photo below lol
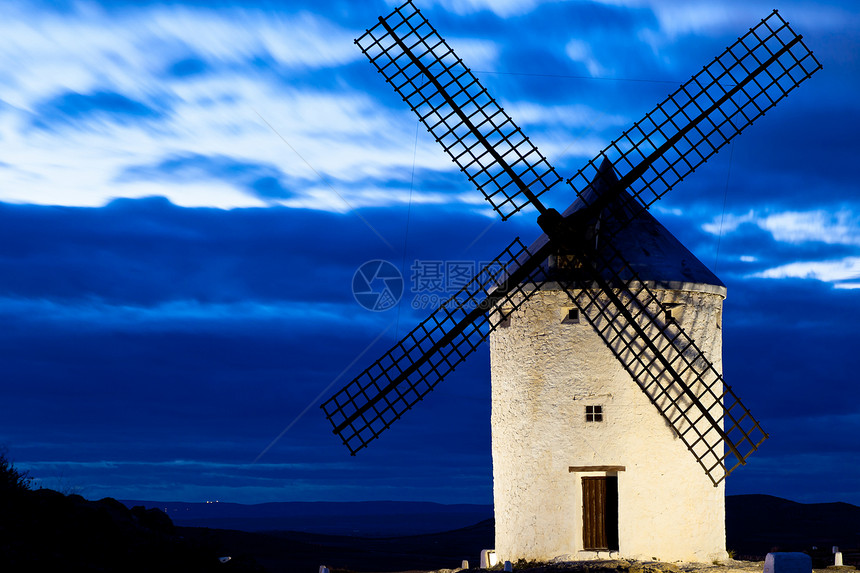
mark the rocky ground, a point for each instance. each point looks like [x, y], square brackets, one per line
[628, 566]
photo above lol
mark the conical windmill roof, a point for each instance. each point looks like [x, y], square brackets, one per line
[653, 252]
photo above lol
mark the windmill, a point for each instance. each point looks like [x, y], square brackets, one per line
[582, 266]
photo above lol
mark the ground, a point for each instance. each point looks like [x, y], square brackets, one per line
[628, 566]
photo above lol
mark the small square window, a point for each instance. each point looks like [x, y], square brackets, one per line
[505, 322]
[594, 413]
[572, 316]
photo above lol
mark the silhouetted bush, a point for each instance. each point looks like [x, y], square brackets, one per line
[11, 479]
[45, 530]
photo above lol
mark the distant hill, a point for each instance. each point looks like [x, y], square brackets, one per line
[360, 519]
[44, 530]
[291, 552]
[56, 531]
[755, 523]
[758, 524]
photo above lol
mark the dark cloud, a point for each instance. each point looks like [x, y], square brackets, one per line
[145, 321]
[71, 107]
[188, 67]
[163, 333]
[791, 340]
[258, 179]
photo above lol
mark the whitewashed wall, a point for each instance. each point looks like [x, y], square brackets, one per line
[544, 373]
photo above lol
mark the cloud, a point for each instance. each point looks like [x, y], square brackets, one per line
[162, 385]
[842, 272]
[830, 235]
[102, 105]
[198, 465]
[182, 315]
[840, 227]
[202, 95]
[677, 17]
[262, 180]
[86, 47]
[136, 86]
[479, 54]
[728, 223]
[187, 67]
[301, 40]
[580, 52]
[150, 265]
[831, 228]
[502, 8]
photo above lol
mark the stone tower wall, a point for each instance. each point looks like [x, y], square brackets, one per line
[544, 373]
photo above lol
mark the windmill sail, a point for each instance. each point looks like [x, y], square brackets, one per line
[450, 101]
[697, 120]
[681, 382]
[705, 113]
[668, 366]
[360, 411]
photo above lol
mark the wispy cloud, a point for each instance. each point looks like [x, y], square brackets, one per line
[844, 273]
[832, 228]
[569, 116]
[103, 89]
[264, 181]
[59, 465]
[503, 8]
[181, 315]
[841, 227]
[833, 235]
[580, 52]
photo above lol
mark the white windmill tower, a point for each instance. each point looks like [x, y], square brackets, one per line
[583, 463]
[611, 421]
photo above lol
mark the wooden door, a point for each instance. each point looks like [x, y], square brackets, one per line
[600, 512]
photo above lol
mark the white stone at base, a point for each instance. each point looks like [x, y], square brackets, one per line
[787, 563]
[488, 558]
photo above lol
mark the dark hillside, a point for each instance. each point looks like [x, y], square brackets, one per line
[44, 530]
[290, 551]
[758, 524]
[358, 519]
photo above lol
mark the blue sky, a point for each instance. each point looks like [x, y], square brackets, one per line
[187, 189]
